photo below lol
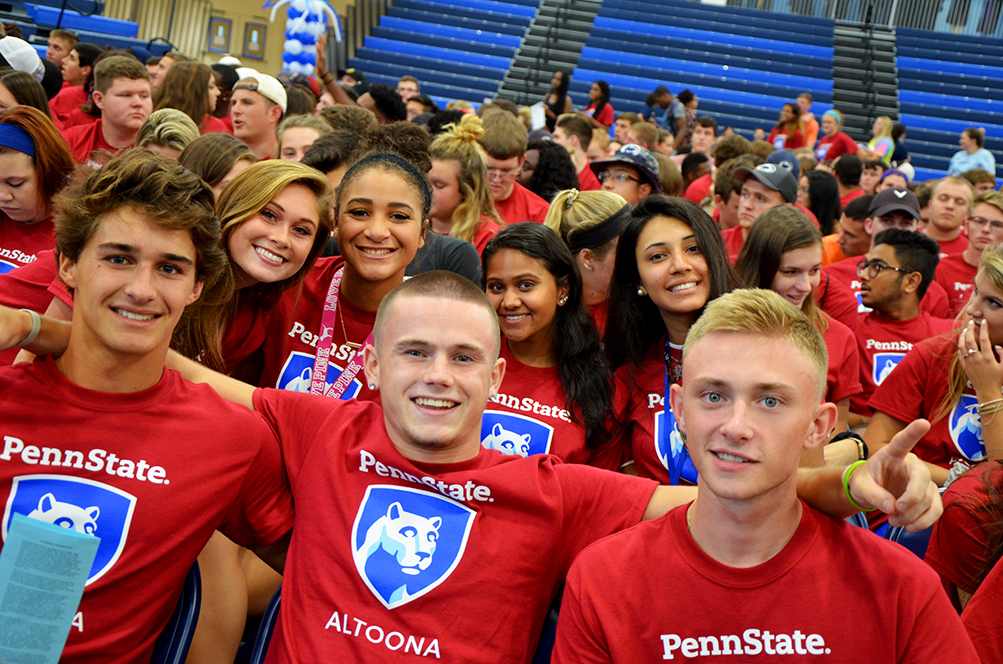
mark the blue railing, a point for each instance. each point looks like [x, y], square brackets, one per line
[960, 17]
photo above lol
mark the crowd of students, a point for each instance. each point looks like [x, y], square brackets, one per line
[507, 325]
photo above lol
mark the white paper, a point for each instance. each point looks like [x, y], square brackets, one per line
[43, 570]
[539, 116]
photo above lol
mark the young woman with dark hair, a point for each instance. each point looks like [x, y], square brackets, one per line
[819, 192]
[551, 348]
[20, 89]
[599, 111]
[670, 262]
[784, 253]
[547, 169]
[557, 101]
[190, 87]
[788, 133]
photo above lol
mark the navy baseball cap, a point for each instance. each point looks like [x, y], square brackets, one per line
[785, 159]
[638, 157]
[894, 200]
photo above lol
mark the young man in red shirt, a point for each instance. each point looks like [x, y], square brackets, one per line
[76, 66]
[950, 203]
[505, 142]
[139, 245]
[744, 551]
[574, 132]
[122, 92]
[984, 226]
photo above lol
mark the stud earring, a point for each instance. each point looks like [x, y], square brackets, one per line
[642, 291]
[372, 386]
[562, 301]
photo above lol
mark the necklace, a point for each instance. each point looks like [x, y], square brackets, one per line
[689, 517]
[352, 345]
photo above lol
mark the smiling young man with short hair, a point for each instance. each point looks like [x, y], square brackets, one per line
[747, 549]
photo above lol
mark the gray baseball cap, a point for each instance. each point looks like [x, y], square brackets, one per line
[894, 200]
[772, 176]
[638, 157]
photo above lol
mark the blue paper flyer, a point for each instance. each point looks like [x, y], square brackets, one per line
[43, 570]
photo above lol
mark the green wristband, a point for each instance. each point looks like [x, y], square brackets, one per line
[846, 486]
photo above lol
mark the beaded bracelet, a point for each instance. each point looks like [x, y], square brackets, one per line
[846, 486]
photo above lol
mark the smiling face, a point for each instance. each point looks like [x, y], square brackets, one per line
[746, 416]
[673, 269]
[525, 295]
[20, 196]
[296, 141]
[986, 303]
[787, 113]
[379, 226]
[829, 125]
[274, 243]
[126, 104]
[799, 273]
[446, 194]
[436, 365]
[131, 283]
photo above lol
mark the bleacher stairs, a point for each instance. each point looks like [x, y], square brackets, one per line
[554, 41]
[864, 75]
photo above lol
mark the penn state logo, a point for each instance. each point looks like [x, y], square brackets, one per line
[513, 434]
[884, 363]
[860, 303]
[966, 428]
[677, 452]
[298, 370]
[6, 266]
[406, 541]
[78, 504]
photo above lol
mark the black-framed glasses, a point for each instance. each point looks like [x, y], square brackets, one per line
[873, 268]
[619, 177]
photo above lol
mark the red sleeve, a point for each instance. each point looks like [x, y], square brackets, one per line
[606, 115]
[901, 393]
[983, 620]
[580, 637]
[844, 363]
[935, 301]
[849, 145]
[773, 134]
[835, 299]
[296, 419]
[487, 230]
[958, 541]
[61, 291]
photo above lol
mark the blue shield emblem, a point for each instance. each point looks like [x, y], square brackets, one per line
[966, 428]
[883, 365]
[295, 375]
[407, 541]
[677, 452]
[860, 303]
[6, 266]
[513, 434]
[78, 504]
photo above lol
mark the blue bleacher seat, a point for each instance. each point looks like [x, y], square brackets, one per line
[963, 69]
[429, 38]
[436, 53]
[457, 20]
[449, 32]
[266, 628]
[500, 8]
[429, 65]
[173, 643]
[73, 21]
[475, 86]
[82, 6]
[468, 11]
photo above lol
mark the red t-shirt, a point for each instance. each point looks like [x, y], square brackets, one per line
[883, 342]
[486, 230]
[600, 313]
[529, 416]
[953, 247]
[83, 140]
[783, 141]
[76, 117]
[652, 594]
[21, 243]
[916, 388]
[27, 288]
[587, 180]
[68, 99]
[843, 376]
[934, 301]
[293, 330]
[522, 205]
[243, 332]
[958, 543]
[605, 115]
[733, 242]
[808, 213]
[831, 147]
[849, 196]
[957, 277]
[116, 465]
[699, 189]
[492, 538]
[649, 418]
[982, 618]
[837, 300]
[215, 126]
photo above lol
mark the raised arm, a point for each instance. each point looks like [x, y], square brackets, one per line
[985, 372]
[331, 85]
[230, 389]
[16, 324]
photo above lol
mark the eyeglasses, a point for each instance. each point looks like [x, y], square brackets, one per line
[874, 267]
[804, 190]
[503, 173]
[619, 177]
[982, 221]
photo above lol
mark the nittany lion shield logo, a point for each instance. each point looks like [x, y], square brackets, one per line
[513, 434]
[407, 541]
[298, 370]
[966, 428]
[677, 452]
[860, 303]
[883, 365]
[86, 506]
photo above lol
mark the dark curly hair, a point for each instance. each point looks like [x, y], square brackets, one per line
[554, 172]
[388, 102]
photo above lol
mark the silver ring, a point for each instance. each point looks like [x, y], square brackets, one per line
[972, 351]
